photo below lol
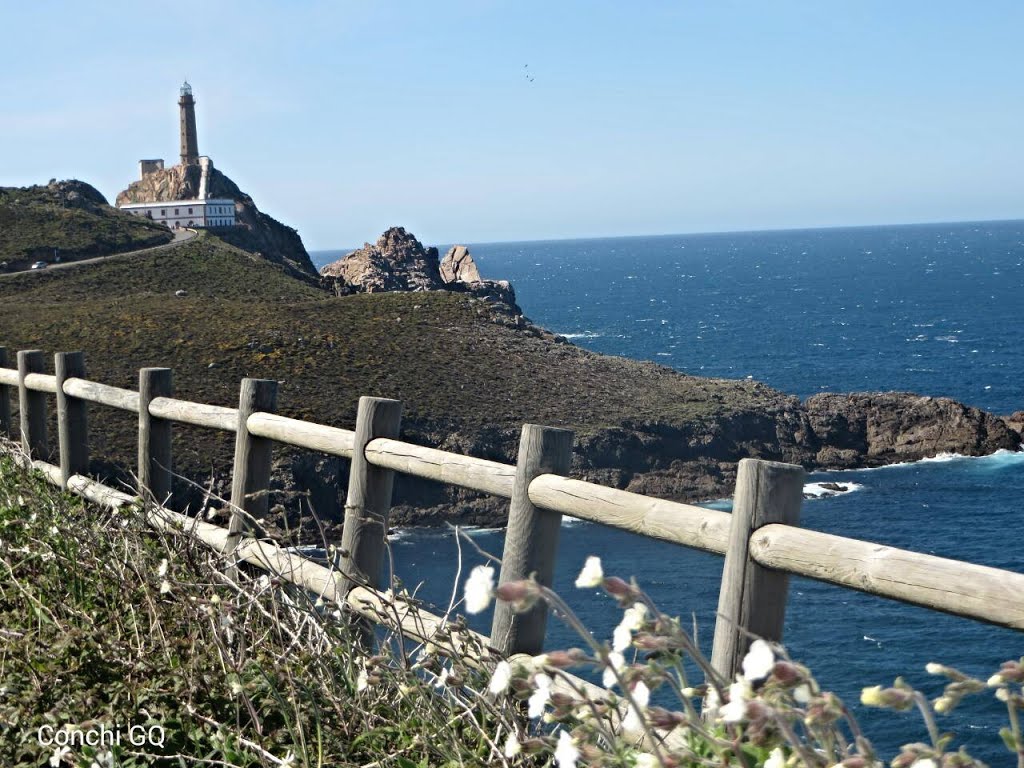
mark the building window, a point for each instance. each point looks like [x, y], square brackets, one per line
[163, 211]
[176, 211]
[190, 210]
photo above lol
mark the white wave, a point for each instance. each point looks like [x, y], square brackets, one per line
[568, 521]
[825, 489]
[1002, 457]
[582, 335]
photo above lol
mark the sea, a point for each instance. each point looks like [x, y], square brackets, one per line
[932, 309]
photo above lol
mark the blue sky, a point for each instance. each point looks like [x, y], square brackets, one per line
[344, 118]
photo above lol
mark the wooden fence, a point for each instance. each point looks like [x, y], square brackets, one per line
[761, 540]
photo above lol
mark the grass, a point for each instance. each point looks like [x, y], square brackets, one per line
[105, 623]
[34, 221]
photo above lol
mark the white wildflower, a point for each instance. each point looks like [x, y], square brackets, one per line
[802, 693]
[633, 721]
[165, 587]
[501, 678]
[236, 688]
[566, 753]
[479, 588]
[1003, 694]
[758, 662]
[512, 746]
[362, 681]
[58, 756]
[162, 570]
[442, 679]
[645, 760]
[934, 669]
[924, 762]
[736, 709]
[712, 701]
[995, 681]
[632, 620]
[616, 661]
[54, 531]
[540, 697]
[104, 759]
[776, 759]
[591, 575]
[289, 760]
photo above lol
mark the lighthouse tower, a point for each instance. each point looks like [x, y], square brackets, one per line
[189, 144]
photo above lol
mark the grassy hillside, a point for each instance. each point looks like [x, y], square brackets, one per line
[467, 382]
[73, 218]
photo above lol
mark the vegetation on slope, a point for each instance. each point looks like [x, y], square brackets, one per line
[440, 353]
[69, 217]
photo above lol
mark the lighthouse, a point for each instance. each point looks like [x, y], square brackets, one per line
[189, 143]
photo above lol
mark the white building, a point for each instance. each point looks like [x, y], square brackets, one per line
[178, 214]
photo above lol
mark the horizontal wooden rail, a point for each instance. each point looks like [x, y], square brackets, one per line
[302, 434]
[951, 586]
[685, 524]
[9, 376]
[197, 414]
[433, 464]
[41, 382]
[94, 392]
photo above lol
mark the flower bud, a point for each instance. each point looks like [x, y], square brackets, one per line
[785, 672]
[856, 761]
[616, 587]
[522, 594]
[648, 642]
[943, 704]
[660, 717]
[562, 659]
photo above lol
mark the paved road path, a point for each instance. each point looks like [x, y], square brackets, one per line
[180, 236]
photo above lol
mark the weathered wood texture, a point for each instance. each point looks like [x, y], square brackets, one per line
[6, 427]
[465, 471]
[250, 479]
[41, 382]
[8, 376]
[369, 494]
[72, 424]
[531, 540]
[690, 526]
[752, 600]
[952, 586]
[302, 434]
[197, 414]
[32, 406]
[94, 392]
[155, 461]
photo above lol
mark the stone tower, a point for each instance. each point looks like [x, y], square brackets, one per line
[189, 143]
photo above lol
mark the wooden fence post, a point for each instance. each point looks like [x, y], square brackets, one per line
[369, 495]
[32, 405]
[531, 540]
[6, 429]
[250, 480]
[752, 600]
[72, 425]
[154, 436]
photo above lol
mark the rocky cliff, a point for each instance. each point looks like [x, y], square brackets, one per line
[256, 231]
[400, 262]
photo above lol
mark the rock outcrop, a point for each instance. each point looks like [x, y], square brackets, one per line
[876, 428]
[400, 262]
[458, 266]
[396, 262]
[256, 231]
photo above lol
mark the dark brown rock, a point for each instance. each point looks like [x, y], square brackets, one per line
[875, 428]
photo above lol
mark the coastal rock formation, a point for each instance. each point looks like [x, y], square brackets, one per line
[256, 231]
[876, 428]
[397, 262]
[458, 266]
[400, 262]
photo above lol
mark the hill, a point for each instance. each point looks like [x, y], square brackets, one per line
[71, 218]
[468, 381]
